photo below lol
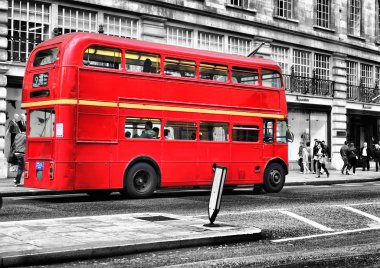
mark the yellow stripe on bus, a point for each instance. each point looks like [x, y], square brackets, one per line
[151, 107]
[49, 102]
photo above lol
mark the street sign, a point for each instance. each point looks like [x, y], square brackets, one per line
[216, 192]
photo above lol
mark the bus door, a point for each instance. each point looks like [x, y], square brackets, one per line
[268, 139]
[246, 154]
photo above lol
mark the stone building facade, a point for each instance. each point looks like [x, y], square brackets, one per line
[328, 50]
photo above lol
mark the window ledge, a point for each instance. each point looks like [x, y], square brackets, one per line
[316, 27]
[356, 37]
[285, 19]
[252, 11]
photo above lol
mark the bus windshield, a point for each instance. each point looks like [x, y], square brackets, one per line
[45, 57]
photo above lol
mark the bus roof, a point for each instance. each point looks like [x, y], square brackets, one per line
[87, 39]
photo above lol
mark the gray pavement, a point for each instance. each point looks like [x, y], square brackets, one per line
[53, 240]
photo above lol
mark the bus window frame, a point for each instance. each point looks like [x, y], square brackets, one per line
[99, 68]
[124, 50]
[46, 66]
[195, 78]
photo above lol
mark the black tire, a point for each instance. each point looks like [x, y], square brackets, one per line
[98, 194]
[274, 178]
[141, 181]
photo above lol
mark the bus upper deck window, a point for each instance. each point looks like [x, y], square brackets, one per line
[102, 57]
[178, 67]
[45, 57]
[212, 71]
[142, 62]
[245, 76]
[271, 78]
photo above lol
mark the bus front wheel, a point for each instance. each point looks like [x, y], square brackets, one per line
[274, 178]
[141, 180]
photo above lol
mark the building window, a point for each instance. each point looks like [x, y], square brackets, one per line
[210, 41]
[366, 75]
[239, 3]
[281, 56]
[323, 13]
[28, 26]
[377, 77]
[378, 19]
[322, 66]
[121, 26]
[239, 46]
[354, 21]
[179, 36]
[284, 8]
[76, 20]
[301, 63]
[352, 73]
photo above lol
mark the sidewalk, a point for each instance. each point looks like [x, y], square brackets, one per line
[64, 239]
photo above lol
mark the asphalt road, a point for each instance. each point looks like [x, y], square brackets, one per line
[325, 226]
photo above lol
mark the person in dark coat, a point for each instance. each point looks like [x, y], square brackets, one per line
[19, 149]
[343, 154]
[376, 156]
[365, 153]
[22, 123]
[353, 156]
[315, 157]
[13, 128]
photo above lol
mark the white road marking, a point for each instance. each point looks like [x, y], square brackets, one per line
[312, 223]
[350, 185]
[372, 217]
[325, 234]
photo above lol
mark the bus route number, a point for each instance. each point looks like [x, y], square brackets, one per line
[40, 80]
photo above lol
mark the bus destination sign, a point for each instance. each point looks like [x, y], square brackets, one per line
[40, 80]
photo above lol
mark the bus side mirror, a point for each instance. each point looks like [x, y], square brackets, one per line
[289, 136]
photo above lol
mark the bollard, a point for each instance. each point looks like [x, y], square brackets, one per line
[216, 193]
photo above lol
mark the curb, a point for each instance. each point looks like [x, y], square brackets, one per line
[249, 234]
[330, 182]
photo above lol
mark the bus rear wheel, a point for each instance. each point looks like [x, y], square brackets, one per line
[274, 178]
[141, 181]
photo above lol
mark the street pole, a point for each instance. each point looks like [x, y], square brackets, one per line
[216, 193]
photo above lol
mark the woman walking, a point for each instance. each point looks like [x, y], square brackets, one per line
[322, 158]
[353, 156]
[305, 160]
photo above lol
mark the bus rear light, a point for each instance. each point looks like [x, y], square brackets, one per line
[51, 171]
[26, 170]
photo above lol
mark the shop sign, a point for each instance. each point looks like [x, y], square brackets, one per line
[367, 107]
[299, 98]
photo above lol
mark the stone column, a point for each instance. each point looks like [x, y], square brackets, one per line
[339, 110]
[265, 51]
[153, 29]
[3, 83]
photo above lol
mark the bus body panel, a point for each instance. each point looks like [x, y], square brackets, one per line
[92, 105]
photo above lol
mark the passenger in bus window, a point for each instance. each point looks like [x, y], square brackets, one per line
[127, 134]
[157, 130]
[167, 134]
[149, 132]
[147, 66]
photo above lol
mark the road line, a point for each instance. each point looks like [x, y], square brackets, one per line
[325, 234]
[372, 217]
[312, 223]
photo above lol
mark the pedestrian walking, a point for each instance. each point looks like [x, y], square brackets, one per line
[365, 153]
[376, 156]
[315, 157]
[309, 154]
[305, 160]
[343, 154]
[19, 150]
[322, 159]
[300, 160]
[353, 156]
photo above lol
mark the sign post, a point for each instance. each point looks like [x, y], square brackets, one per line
[216, 192]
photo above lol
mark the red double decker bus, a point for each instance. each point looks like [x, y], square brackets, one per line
[107, 113]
